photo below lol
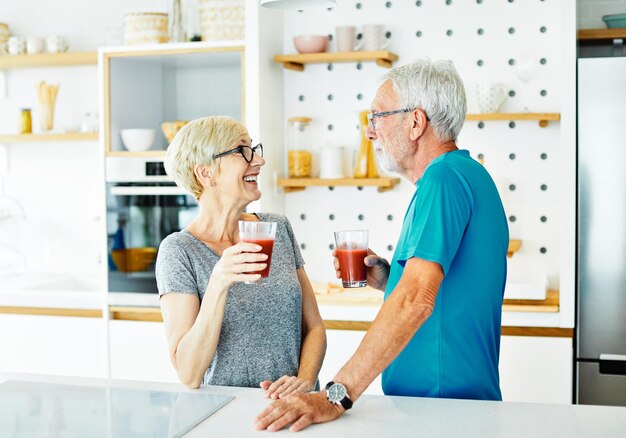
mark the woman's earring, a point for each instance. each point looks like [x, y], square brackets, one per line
[212, 182]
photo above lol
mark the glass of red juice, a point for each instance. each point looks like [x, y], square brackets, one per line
[351, 251]
[262, 234]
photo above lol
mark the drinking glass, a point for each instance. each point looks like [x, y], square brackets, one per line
[351, 251]
[262, 234]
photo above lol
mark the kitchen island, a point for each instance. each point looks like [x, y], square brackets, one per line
[372, 416]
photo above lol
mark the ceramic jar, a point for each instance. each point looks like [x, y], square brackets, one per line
[332, 162]
[56, 44]
[34, 45]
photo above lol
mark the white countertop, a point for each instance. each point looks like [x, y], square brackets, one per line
[376, 416]
[50, 290]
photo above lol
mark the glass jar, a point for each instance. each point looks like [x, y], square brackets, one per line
[26, 121]
[298, 157]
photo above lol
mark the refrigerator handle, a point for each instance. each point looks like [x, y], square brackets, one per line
[613, 364]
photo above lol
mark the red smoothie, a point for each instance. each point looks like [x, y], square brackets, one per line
[352, 265]
[268, 247]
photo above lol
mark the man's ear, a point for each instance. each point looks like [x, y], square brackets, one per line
[418, 124]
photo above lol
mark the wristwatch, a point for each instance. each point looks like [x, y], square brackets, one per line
[338, 394]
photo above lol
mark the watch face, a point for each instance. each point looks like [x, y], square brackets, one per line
[336, 393]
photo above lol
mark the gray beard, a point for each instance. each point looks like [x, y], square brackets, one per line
[384, 161]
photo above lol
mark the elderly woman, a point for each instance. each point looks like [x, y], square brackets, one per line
[220, 329]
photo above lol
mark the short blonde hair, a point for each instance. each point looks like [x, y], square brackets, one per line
[196, 143]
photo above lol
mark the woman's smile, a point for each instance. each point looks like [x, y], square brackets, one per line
[251, 178]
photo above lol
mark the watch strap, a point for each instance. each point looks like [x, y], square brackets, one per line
[346, 402]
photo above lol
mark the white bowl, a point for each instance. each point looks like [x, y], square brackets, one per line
[137, 140]
[70, 127]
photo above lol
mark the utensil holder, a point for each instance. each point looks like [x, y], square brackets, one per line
[46, 116]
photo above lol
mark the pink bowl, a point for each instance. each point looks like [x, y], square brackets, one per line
[311, 43]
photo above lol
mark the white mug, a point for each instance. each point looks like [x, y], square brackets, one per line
[345, 36]
[56, 44]
[490, 96]
[332, 162]
[374, 37]
[17, 45]
[34, 44]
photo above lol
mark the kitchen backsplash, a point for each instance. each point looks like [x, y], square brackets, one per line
[516, 43]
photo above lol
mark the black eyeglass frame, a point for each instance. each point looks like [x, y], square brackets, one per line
[239, 149]
[372, 116]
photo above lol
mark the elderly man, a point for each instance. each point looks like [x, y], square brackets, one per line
[438, 331]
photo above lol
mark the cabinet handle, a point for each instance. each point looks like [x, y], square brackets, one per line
[613, 364]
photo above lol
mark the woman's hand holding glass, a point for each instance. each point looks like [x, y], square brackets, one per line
[286, 385]
[237, 263]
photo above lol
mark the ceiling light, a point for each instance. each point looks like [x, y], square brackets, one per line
[298, 4]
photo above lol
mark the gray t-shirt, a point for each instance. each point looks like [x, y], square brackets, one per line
[261, 331]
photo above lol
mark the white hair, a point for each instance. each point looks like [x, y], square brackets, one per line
[435, 87]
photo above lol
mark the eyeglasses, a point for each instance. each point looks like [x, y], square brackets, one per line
[371, 118]
[246, 152]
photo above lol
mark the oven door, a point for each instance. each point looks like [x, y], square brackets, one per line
[139, 217]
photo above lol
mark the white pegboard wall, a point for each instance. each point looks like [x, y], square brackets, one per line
[487, 40]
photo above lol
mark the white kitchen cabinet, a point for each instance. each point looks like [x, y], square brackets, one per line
[183, 81]
[532, 369]
[536, 369]
[138, 351]
[61, 345]
[341, 346]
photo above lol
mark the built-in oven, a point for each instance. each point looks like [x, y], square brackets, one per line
[143, 206]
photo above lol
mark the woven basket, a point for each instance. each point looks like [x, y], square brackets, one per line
[145, 28]
[222, 20]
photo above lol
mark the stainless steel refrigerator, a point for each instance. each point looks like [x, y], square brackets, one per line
[601, 303]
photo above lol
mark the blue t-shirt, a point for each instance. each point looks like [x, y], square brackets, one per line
[455, 219]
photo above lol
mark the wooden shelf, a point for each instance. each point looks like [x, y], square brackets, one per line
[601, 34]
[297, 184]
[552, 332]
[367, 297]
[296, 62]
[48, 60]
[136, 154]
[514, 246]
[31, 138]
[51, 311]
[127, 313]
[549, 305]
[542, 118]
